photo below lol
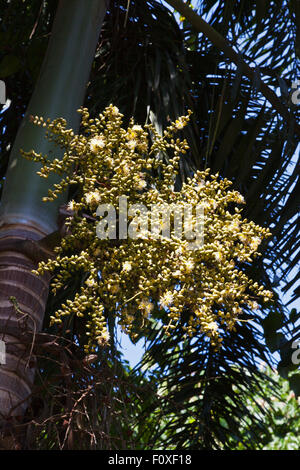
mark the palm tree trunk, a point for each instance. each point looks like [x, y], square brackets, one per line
[22, 303]
[24, 218]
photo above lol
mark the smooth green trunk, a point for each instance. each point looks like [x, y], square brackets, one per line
[59, 92]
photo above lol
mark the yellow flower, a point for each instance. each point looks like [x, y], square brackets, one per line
[254, 305]
[70, 205]
[180, 251]
[114, 110]
[90, 282]
[240, 199]
[127, 266]
[97, 143]
[132, 143]
[255, 242]
[92, 197]
[104, 338]
[244, 239]
[141, 184]
[179, 124]
[134, 132]
[200, 185]
[234, 226]
[212, 326]
[177, 273]
[137, 128]
[189, 265]
[166, 299]
[218, 256]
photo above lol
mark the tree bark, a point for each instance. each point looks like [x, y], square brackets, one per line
[23, 297]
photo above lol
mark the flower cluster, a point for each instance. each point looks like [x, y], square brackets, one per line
[151, 274]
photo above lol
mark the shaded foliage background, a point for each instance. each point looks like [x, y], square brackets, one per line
[154, 67]
[282, 416]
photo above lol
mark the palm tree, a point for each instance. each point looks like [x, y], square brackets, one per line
[25, 219]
